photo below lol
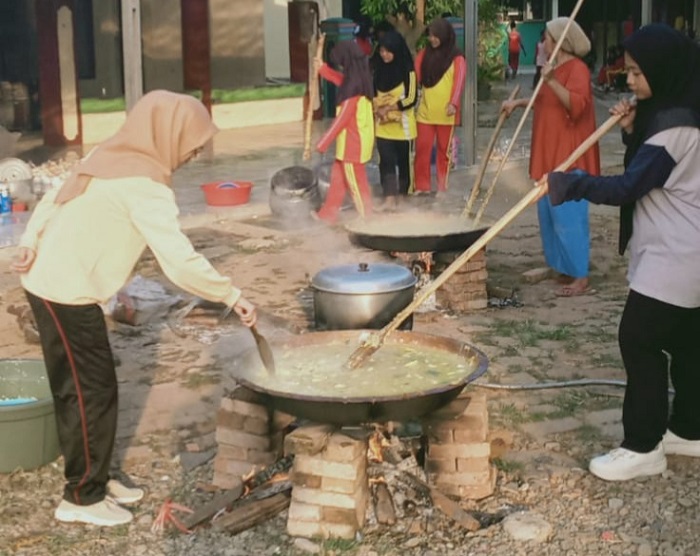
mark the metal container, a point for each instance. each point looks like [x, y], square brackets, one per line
[333, 409]
[362, 296]
[294, 193]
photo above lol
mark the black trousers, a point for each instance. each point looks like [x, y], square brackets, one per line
[651, 333]
[83, 382]
[392, 155]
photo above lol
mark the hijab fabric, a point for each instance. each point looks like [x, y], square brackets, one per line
[436, 61]
[670, 62]
[159, 135]
[389, 76]
[576, 42]
[357, 79]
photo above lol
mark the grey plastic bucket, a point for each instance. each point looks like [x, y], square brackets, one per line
[28, 437]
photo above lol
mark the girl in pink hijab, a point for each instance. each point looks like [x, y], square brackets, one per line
[79, 248]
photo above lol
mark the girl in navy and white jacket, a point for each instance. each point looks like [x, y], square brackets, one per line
[659, 195]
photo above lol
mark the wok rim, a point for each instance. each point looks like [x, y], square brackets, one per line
[480, 370]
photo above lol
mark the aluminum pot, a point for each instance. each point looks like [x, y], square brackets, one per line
[294, 193]
[362, 296]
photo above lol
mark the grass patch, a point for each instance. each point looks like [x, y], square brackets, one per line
[507, 466]
[219, 96]
[588, 433]
[339, 545]
[529, 333]
[511, 415]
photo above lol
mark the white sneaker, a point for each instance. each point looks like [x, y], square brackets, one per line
[106, 513]
[622, 464]
[123, 494]
[675, 445]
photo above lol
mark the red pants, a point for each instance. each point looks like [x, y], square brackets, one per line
[347, 176]
[424, 146]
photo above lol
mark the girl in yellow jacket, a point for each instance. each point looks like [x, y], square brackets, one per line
[441, 70]
[396, 92]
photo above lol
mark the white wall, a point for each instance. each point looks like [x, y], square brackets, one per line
[276, 39]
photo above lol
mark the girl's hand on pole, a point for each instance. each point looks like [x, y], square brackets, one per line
[246, 311]
[627, 110]
[508, 106]
[543, 185]
[23, 261]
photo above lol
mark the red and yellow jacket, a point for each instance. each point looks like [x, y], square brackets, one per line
[432, 108]
[353, 127]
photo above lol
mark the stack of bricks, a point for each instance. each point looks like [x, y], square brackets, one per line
[465, 290]
[457, 461]
[330, 487]
[243, 430]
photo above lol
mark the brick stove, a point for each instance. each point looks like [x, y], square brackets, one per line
[465, 290]
[330, 481]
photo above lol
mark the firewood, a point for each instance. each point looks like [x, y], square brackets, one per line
[308, 440]
[252, 513]
[219, 502]
[448, 507]
[383, 504]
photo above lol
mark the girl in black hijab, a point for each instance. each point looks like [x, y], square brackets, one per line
[660, 323]
[352, 130]
[395, 83]
[441, 70]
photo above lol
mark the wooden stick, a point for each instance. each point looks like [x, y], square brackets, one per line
[313, 95]
[375, 341]
[487, 155]
[252, 513]
[521, 123]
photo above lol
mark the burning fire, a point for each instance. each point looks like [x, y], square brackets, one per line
[377, 441]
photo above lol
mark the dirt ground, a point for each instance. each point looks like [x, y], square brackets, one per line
[172, 376]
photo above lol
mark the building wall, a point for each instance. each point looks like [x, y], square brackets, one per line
[108, 81]
[237, 43]
[162, 45]
[276, 39]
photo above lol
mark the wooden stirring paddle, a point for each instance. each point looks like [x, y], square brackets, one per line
[376, 340]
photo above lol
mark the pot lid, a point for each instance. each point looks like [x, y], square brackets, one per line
[364, 278]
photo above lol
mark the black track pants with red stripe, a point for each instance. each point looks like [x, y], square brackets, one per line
[83, 382]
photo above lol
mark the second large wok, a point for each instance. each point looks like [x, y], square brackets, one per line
[398, 234]
[346, 411]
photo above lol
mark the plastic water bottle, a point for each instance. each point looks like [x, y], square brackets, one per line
[5, 200]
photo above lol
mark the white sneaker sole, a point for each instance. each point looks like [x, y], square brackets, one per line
[70, 516]
[655, 468]
[673, 449]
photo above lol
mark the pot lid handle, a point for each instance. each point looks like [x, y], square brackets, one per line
[363, 267]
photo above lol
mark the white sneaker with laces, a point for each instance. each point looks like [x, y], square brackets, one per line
[105, 513]
[123, 494]
[675, 445]
[622, 464]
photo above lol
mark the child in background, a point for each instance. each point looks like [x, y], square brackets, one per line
[395, 83]
[352, 130]
[441, 70]
[540, 59]
[515, 45]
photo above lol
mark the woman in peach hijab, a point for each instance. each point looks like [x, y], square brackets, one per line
[79, 248]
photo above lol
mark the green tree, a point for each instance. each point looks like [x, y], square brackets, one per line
[490, 64]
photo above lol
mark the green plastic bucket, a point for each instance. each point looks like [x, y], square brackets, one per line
[28, 437]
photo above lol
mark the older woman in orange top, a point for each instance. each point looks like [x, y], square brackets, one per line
[564, 116]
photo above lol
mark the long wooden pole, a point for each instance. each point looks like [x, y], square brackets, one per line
[487, 155]
[313, 96]
[376, 340]
[521, 123]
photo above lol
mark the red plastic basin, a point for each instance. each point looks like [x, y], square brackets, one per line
[227, 193]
